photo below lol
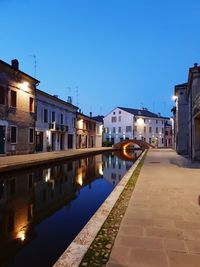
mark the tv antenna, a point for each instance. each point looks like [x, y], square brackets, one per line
[77, 95]
[35, 64]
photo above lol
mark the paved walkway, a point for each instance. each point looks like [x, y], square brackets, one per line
[161, 226]
[9, 163]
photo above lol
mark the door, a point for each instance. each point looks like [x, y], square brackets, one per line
[2, 139]
[39, 141]
[70, 141]
[62, 141]
[53, 141]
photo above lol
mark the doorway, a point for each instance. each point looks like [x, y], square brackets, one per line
[2, 139]
[62, 141]
[39, 141]
[70, 141]
[196, 145]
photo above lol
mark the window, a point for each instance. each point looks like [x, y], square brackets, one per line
[145, 128]
[144, 120]
[156, 129]
[120, 112]
[61, 119]
[120, 129]
[166, 132]
[150, 129]
[31, 135]
[2, 95]
[13, 134]
[53, 116]
[114, 119]
[120, 118]
[113, 113]
[162, 130]
[156, 121]
[135, 128]
[150, 140]
[31, 104]
[162, 122]
[128, 129]
[113, 129]
[162, 141]
[45, 115]
[13, 99]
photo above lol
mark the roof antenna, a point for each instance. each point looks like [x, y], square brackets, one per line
[35, 64]
[77, 95]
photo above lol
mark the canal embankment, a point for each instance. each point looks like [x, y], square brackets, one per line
[16, 162]
[94, 232]
[161, 224]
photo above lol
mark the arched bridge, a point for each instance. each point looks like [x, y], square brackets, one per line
[125, 143]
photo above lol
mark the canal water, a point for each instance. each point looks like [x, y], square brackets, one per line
[43, 209]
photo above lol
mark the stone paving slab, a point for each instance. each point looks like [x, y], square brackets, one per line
[161, 226]
[10, 163]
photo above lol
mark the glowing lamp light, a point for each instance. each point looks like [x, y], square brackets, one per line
[140, 121]
[174, 98]
[100, 169]
[24, 85]
[22, 235]
[80, 179]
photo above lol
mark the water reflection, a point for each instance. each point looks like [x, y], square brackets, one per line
[38, 205]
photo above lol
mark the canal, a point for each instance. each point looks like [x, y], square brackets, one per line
[43, 209]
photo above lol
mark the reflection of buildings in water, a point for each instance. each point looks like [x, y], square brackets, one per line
[55, 188]
[88, 169]
[16, 207]
[27, 197]
[114, 168]
[127, 154]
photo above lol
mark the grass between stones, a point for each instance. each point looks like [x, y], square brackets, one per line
[100, 249]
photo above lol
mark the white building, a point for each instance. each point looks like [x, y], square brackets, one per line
[127, 123]
[55, 123]
[99, 130]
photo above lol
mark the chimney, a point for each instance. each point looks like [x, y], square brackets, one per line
[69, 99]
[15, 64]
[90, 114]
[56, 96]
[195, 64]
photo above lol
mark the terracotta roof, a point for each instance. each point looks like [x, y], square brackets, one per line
[23, 73]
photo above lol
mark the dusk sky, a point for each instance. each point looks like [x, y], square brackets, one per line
[117, 52]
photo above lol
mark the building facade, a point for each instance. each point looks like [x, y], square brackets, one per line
[55, 124]
[181, 119]
[127, 123]
[17, 110]
[168, 139]
[193, 93]
[89, 131]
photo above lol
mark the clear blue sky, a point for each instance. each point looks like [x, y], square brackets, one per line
[127, 53]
